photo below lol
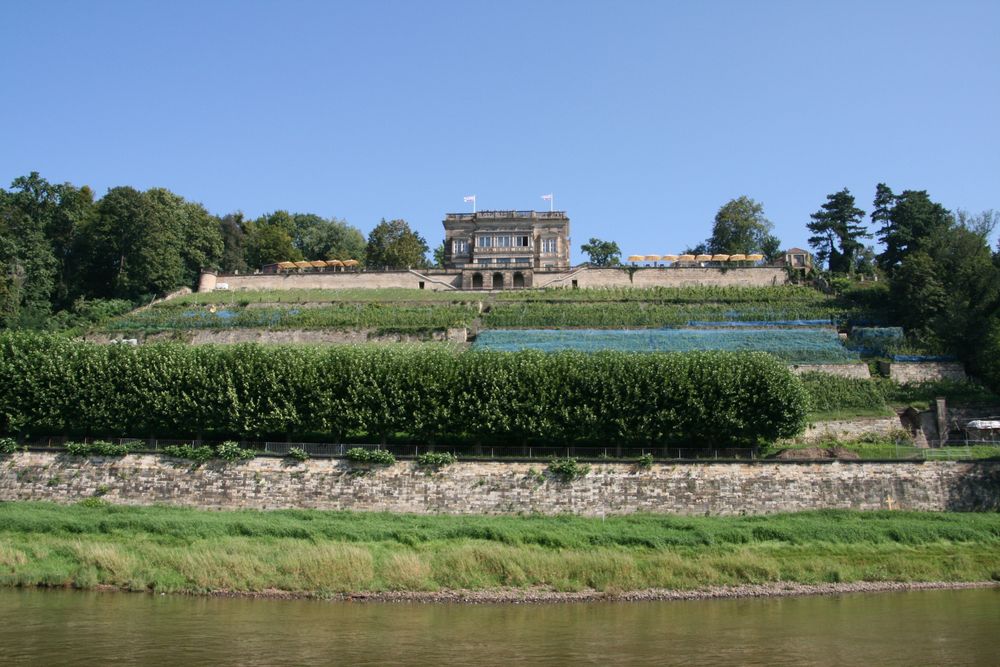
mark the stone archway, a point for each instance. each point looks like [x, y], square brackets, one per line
[518, 281]
[477, 281]
[497, 280]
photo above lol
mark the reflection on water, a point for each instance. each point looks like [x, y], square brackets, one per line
[913, 628]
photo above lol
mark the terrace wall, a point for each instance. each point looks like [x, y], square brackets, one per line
[905, 372]
[851, 429]
[664, 277]
[505, 487]
[856, 371]
[442, 280]
[437, 280]
[286, 336]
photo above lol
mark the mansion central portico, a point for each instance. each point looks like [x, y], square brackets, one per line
[503, 249]
[507, 240]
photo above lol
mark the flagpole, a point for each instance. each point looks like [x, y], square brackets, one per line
[552, 202]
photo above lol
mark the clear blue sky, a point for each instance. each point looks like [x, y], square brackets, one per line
[641, 117]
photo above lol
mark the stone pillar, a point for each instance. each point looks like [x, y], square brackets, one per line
[207, 280]
[941, 410]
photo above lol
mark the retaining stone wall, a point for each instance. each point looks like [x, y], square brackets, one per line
[443, 280]
[850, 429]
[857, 371]
[664, 277]
[504, 487]
[285, 336]
[906, 372]
[342, 280]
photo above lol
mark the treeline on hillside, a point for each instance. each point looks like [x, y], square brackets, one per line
[943, 276]
[55, 386]
[65, 252]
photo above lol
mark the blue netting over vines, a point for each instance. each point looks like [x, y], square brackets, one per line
[923, 357]
[806, 346]
[760, 323]
[875, 341]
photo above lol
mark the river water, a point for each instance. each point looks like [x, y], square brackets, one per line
[908, 628]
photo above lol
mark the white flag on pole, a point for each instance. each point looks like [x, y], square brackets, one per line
[547, 197]
[470, 198]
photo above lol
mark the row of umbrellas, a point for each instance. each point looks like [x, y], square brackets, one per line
[695, 258]
[317, 264]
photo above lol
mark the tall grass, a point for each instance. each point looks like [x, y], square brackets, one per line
[172, 549]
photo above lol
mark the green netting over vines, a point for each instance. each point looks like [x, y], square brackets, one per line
[802, 346]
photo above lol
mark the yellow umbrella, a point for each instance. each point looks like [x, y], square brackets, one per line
[720, 258]
[685, 258]
[652, 258]
[703, 258]
[669, 258]
[303, 265]
[350, 262]
[286, 265]
[755, 258]
[636, 258]
[737, 258]
[318, 263]
[334, 262]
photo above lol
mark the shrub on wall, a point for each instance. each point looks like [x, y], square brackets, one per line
[189, 452]
[568, 470]
[378, 456]
[96, 448]
[297, 454]
[436, 459]
[231, 451]
[54, 385]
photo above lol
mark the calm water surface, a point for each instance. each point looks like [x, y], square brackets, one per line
[913, 628]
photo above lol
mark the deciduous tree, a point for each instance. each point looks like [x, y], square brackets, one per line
[741, 227]
[270, 239]
[602, 253]
[394, 245]
[332, 239]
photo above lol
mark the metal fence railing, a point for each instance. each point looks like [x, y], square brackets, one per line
[902, 450]
[327, 449]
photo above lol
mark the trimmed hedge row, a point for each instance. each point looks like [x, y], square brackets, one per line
[53, 385]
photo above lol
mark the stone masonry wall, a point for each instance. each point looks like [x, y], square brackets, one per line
[286, 336]
[504, 487]
[342, 280]
[851, 429]
[905, 372]
[664, 277]
[443, 280]
[857, 371]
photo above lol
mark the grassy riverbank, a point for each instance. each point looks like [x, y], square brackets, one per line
[326, 553]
